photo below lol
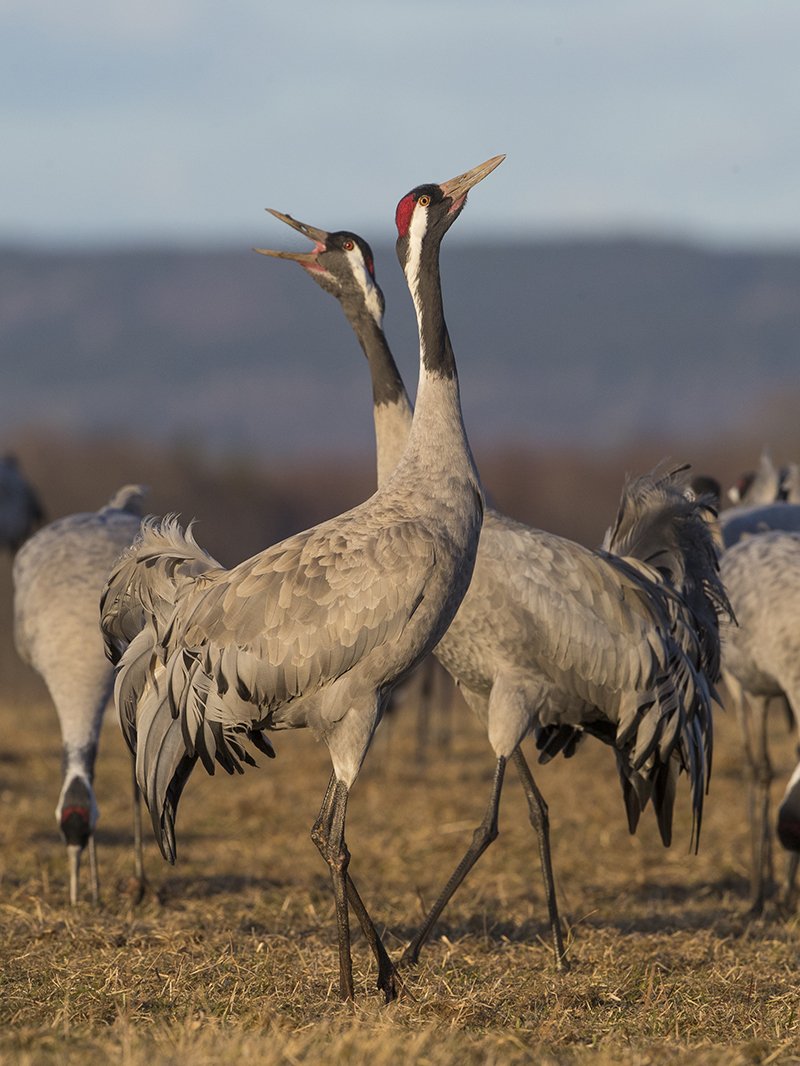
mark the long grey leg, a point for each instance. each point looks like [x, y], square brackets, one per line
[481, 839]
[752, 714]
[94, 880]
[540, 820]
[140, 884]
[323, 834]
[762, 841]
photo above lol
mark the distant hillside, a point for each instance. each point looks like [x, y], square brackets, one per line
[594, 342]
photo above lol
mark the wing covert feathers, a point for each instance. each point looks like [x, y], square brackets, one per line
[205, 656]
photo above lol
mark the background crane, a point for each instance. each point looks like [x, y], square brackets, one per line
[59, 574]
[761, 662]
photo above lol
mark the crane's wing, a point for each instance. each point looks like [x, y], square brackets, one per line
[240, 643]
[292, 619]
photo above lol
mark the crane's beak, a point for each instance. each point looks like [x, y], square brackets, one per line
[457, 188]
[319, 236]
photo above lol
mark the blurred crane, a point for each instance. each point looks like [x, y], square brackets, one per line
[315, 631]
[768, 484]
[555, 639]
[738, 522]
[756, 487]
[20, 510]
[761, 662]
[59, 574]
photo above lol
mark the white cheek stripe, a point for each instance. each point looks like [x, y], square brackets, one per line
[416, 232]
[364, 282]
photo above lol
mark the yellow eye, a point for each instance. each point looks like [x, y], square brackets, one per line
[348, 246]
[424, 200]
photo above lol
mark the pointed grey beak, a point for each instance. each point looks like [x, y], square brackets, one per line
[319, 236]
[456, 188]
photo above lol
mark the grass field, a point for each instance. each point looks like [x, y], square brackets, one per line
[232, 955]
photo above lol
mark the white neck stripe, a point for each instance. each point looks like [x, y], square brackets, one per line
[417, 229]
[362, 278]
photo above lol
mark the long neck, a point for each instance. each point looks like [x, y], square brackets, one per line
[438, 439]
[391, 408]
[424, 281]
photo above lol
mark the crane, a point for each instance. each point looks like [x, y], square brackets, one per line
[552, 638]
[59, 574]
[761, 662]
[20, 509]
[738, 522]
[315, 631]
[756, 487]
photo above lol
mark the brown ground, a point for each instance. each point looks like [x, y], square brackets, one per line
[232, 956]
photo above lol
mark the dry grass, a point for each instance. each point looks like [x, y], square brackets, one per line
[232, 955]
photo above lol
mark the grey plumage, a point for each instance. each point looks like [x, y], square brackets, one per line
[761, 660]
[59, 574]
[315, 631]
[553, 639]
[738, 522]
[20, 509]
[757, 487]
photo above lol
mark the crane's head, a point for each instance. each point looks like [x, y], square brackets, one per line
[425, 214]
[76, 814]
[341, 263]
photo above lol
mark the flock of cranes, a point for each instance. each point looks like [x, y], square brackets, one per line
[545, 638]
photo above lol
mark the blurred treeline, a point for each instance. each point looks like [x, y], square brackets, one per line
[244, 503]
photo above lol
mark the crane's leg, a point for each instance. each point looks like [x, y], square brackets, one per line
[481, 839]
[424, 708]
[792, 863]
[139, 881]
[540, 820]
[94, 880]
[752, 714]
[325, 832]
[762, 843]
[74, 862]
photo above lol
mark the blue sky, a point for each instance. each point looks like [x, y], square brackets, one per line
[181, 121]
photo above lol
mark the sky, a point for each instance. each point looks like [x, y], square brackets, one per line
[179, 121]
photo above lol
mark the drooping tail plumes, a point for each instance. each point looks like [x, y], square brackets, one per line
[662, 528]
[144, 585]
[662, 544]
[136, 608]
[662, 523]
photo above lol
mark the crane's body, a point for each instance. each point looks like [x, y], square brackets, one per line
[59, 574]
[314, 631]
[552, 638]
[738, 522]
[761, 662]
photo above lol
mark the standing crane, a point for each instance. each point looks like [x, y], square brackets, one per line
[315, 631]
[756, 487]
[761, 662]
[20, 510]
[59, 574]
[552, 638]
